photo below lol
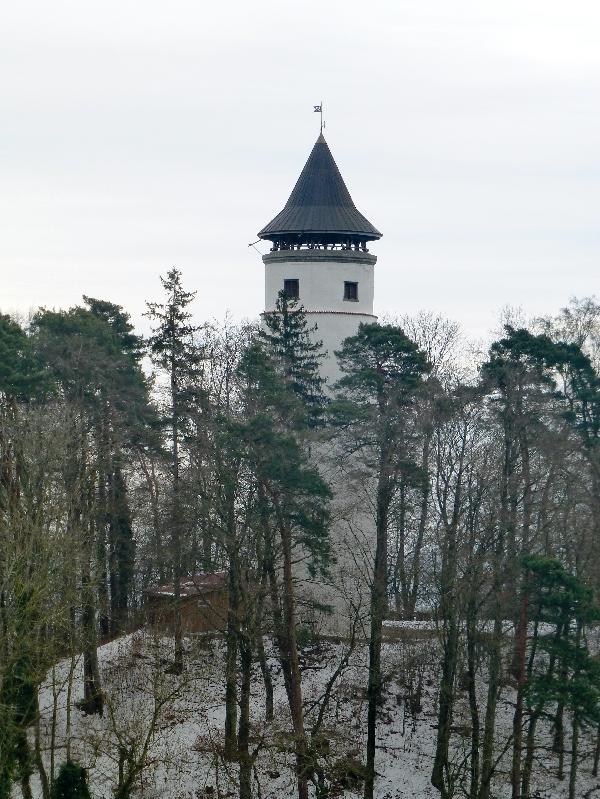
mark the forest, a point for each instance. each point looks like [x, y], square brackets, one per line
[411, 556]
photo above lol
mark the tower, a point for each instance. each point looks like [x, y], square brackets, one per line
[319, 254]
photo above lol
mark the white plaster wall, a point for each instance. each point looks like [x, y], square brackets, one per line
[321, 286]
[332, 329]
[352, 538]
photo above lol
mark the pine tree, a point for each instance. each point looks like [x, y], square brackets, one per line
[94, 359]
[568, 674]
[21, 375]
[127, 397]
[383, 371]
[522, 396]
[292, 512]
[21, 382]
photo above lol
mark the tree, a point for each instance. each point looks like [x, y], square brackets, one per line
[521, 395]
[439, 339]
[21, 375]
[22, 590]
[568, 674]
[383, 373]
[125, 401]
[297, 356]
[94, 360]
[293, 509]
[173, 349]
[34, 583]
[455, 448]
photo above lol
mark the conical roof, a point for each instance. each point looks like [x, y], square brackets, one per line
[320, 204]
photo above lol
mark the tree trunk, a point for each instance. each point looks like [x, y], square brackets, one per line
[521, 678]
[266, 675]
[527, 769]
[262, 547]
[243, 741]
[270, 577]
[39, 761]
[489, 725]
[176, 523]
[121, 559]
[534, 716]
[378, 607]
[23, 757]
[440, 776]
[445, 711]
[416, 566]
[473, 704]
[575, 734]
[101, 556]
[295, 678]
[558, 741]
[596, 753]
[520, 652]
[233, 633]
[92, 692]
[504, 551]
[400, 587]
[574, 756]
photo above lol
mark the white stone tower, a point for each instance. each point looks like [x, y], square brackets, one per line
[319, 254]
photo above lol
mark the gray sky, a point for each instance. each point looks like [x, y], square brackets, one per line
[136, 136]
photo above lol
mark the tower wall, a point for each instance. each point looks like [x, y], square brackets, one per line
[319, 239]
[321, 276]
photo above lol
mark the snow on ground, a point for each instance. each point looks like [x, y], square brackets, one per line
[182, 717]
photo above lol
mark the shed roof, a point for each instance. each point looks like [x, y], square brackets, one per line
[320, 203]
[202, 583]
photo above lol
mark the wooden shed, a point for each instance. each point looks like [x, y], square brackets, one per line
[203, 599]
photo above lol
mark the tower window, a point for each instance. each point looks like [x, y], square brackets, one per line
[350, 291]
[292, 288]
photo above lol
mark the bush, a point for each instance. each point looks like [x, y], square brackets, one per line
[348, 774]
[305, 636]
[71, 782]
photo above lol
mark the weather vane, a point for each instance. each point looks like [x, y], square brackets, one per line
[319, 110]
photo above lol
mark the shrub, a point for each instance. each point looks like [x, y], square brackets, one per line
[71, 782]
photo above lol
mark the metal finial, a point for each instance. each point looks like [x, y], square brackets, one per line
[319, 110]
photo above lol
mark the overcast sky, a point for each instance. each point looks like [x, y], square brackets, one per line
[136, 136]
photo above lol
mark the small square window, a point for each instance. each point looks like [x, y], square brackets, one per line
[292, 288]
[350, 291]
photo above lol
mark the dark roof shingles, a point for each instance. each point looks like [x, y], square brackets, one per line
[320, 202]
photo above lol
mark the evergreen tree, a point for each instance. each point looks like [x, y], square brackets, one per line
[568, 675]
[383, 371]
[571, 374]
[521, 392]
[20, 372]
[292, 504]
[94, 359]
[290, 343]
[174, 350]
[127, 396]
[21, 381]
